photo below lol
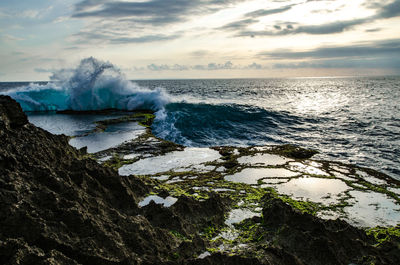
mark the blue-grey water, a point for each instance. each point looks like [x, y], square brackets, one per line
[352, 120]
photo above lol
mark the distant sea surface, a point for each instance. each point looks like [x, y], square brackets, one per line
[352, 120]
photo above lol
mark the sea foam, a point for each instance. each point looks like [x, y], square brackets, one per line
[93, 85]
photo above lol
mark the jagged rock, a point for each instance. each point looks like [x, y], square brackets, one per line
[317, 241]
[11, 113]
[56, 205]
[187, 215]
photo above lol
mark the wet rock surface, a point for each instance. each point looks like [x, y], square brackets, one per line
[60, 205]
[317, 241]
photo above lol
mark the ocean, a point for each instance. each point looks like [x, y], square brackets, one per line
[348, 119]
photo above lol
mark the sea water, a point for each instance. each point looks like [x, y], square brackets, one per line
[352, 119]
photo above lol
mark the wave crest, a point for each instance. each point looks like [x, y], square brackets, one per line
[93, 85]
[205, 124]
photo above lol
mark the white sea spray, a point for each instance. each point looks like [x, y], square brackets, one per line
[93, 85]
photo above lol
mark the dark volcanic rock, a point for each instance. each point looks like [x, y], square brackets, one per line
[56, 205]
[316, 241]
[187, 215]
[11, 113]
[60, 207]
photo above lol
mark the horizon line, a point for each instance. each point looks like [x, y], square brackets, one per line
[233, 78]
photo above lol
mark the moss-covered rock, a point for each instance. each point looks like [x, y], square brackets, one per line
[317, 241]
[293, 151]
[59, 206]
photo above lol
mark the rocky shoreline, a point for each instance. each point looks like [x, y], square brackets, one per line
[59, 205]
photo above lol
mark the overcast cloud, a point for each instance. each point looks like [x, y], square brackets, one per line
[156, 38]
[382, 11]
[367, 50]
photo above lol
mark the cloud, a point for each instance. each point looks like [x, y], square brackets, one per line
[61, 19]
[119, 22]
[201, 67]
[384, 11]
[200, 53]
[102, 36]
[118, 9]
[164, 67]
[30, 14]
[144, 39]
[241, 24]
[373, 30]
[18, 53]
[390, 10]
[72, 48]
[380, 54]
[177, 67]
[267, 12]
[42, 70]
[155, 12]
[4, 14]
[349, 63]
[368, 50]
[88, 4]
[154, 67]
[9, 38]
[140, 21]
[254, 66]
[250, 18]
[328, 28]
[214, 66]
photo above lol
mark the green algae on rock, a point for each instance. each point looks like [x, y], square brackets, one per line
[59, 204]
[60, 207]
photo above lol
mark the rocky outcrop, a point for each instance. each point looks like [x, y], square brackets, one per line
[59, 206]
[322, 242]
[11, 113]
[187, 215]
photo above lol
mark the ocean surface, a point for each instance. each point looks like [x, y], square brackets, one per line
[353, 120]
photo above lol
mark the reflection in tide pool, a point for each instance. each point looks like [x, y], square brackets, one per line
[190, 157]
[370, 179]
[68, 124]
[308, 169]
[238, 215]
[131, 156]
[263, 160]
[113, 136]
[81, 124]
[167, 202]
[373, 209]
[314, 189]
[252, 175]
[394, 190]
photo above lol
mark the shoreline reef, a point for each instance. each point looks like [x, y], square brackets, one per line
[61, 205]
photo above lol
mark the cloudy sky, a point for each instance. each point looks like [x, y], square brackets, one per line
[201, 38]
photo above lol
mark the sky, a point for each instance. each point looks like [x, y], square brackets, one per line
[168, 39]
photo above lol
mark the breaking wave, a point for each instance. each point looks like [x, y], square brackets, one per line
[203, 124]
[93, 85]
